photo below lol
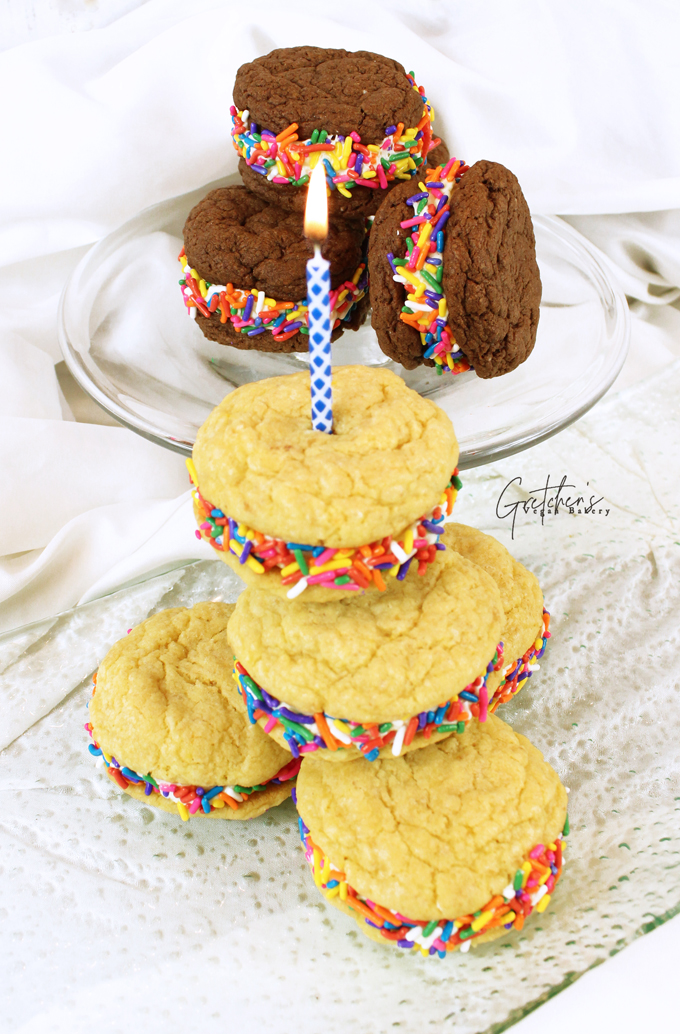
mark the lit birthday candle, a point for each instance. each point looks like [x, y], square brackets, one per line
[319, 305]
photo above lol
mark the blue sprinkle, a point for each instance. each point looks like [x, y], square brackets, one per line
[464, 695]
[212, 793]
[217, 514]
[318, 550]
[94, 751]
[331, 884]
[440, 714]
[430, 717]
[372, 754]
[447, 931]
[205, 804]
[132, 776]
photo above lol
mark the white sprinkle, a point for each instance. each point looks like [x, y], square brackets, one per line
[231, 792]
[259, 303]
[465, 946]
[399, 553]
[296, 589]
[398, 741]
[509, 892]
[541, 892]
[192, 312]
[214, 289]
[534, 667]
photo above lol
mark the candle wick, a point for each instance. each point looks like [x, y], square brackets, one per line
[317, 249]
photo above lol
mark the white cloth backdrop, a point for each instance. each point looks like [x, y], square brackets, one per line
[579, 100]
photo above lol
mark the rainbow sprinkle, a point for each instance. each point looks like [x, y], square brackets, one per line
[252, 313]
[301, 565]
[286, 160]
[189, 799]
[523, 668]
[306, 733]
[531, 889]
[421, 272]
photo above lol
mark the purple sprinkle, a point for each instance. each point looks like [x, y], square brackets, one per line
[416, 197]
[389, 130]
[294, 796]
[319, 741]
[253, 127]
[436, 185]
[374, 925]
[440, 545]
[114, 762]
[404, 944]
[440, 225]
[290, 326]
[294, 749]
[249, 308]
[258, 168]
[149, 789]
[434, 529]
[258, 330]
[403, 570]
[292, 716]
[440, 204]
[232, 527]
[247, 547]
[422, 720]
[199, 791]
[390, 259]
[270, 700]
[383, 567]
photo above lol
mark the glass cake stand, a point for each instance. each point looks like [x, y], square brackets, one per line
[129, 343]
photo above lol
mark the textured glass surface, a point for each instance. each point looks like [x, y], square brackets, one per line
[105, 901]
[128, 341]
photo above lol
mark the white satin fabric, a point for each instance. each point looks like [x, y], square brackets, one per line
[578, 100]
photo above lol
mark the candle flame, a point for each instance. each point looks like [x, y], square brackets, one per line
[316, 209]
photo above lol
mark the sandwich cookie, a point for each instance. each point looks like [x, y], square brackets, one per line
[243, 272]
[453, 272]
[526, 628]
[359, 114]
[379, 674]
[442, 849]
[165, 721]
[293, 510]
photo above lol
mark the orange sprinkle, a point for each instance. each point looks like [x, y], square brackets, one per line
[378, 579]
[228, 800]
[286, 132]
[326, 734]
[400, 130]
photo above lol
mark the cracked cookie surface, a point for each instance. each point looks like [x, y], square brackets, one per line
[520, 592]
[164, 704]
[436, 833]
[379, 657]
[388, 460]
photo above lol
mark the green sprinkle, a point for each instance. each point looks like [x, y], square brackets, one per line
[423, 203]
[430, 280]
[303, 330]
[456, 482]
[384, 162]
[268, 164]
[357, 731]
[565, 831]
[439, 373]
[322, 136]
[183, 283]
[517, 882]
[233, 310]
[301, 182]
[460, 726]
[253, 686]
[409, 143]
[418, 161]
[148, 778]
[258, 137]
[400, 262]
[342, 579]
[385, 727]
[438, 275]
[398, 157]
[215, 531]
[406, 309]
[315, 136]
[302, 563]
[451, 728]
[464, 934]
[296, 727]
[410, 245]
[430, 928]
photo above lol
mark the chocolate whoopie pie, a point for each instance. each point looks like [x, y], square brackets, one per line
[244, 272]
[453, 272]
[360, 113]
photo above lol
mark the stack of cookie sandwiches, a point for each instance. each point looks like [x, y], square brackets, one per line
[450, 271]
[374, 642]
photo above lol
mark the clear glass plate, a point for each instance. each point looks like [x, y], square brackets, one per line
[129, 343]
[221, 921]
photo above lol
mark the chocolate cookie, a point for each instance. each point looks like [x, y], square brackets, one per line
[473, 300]
[237, 247]
[360, 113]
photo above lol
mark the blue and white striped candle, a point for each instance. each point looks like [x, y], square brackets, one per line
[319, 304]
